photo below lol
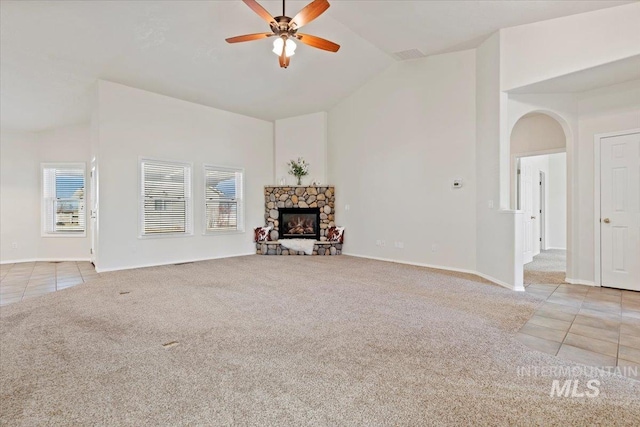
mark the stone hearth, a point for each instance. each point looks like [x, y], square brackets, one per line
[320, 248]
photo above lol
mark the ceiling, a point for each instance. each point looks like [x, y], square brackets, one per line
[52, 53]
[615, 72]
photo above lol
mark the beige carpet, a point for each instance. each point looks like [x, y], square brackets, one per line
[285, 341]
[548, 267]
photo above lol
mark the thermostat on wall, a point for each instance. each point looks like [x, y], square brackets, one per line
[457, 183]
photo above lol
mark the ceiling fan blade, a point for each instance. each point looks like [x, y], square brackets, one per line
[309, 13]
[318, 42]
[248, 37]
[255, 6]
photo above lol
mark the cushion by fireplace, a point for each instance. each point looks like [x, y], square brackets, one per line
[336, 234]
[261, 234]
[299, 223]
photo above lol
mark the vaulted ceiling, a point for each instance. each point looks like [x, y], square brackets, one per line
[52, 53]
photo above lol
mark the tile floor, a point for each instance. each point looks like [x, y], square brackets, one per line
[590, 325]
[30, 279]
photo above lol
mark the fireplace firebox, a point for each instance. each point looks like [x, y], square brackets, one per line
[299, 223]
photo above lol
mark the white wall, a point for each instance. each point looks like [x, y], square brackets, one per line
[552, 48]
[302, 136]
[537, 133]
[134, 123]
[556, 218]
[498, 232]
[20, 203]
[395, 146]
[609, 109]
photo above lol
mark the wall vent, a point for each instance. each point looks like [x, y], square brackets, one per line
[409, 54]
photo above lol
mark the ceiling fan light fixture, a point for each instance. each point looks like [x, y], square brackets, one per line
[289, 46]
[285, 29]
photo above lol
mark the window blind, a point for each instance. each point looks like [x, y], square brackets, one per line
[165, 197]
[223, 199]
[63, 199]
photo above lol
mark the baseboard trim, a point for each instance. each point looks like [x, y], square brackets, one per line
[417, 264]
[554, 248]
[580, 282]
[106, 270]
[46, 260]
[441, 267]
[500, 282]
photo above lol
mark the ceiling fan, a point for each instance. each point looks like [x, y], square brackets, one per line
[286, 30]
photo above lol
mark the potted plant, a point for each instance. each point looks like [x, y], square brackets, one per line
[298, 169]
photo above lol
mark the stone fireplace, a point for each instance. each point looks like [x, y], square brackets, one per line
[299, 223]
[310, 210]
[297, 199]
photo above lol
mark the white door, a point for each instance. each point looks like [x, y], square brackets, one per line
[535, 208]
[94, 212]
[620, 211]
[526, 202]
[542, 212]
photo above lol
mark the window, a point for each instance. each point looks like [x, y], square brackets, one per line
[223, 192]
[165, 198]
[63, 206]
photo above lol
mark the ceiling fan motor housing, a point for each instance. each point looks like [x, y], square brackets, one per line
[281, 26]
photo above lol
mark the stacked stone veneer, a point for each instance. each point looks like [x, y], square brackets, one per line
[277, 197]
[320, 248]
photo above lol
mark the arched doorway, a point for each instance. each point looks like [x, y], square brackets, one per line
[538, 145]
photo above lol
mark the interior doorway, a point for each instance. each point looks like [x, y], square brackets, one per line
[542, 196]
[539, 191]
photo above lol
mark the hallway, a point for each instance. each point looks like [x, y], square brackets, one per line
[590, 325]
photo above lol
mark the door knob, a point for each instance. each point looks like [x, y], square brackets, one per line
[606, 220]
[533, 217]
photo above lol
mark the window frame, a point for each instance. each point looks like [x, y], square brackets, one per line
[189, 226]
[43, 202]
[240, 227]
